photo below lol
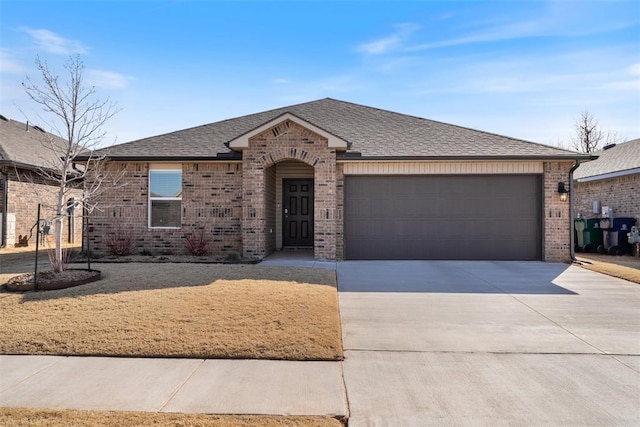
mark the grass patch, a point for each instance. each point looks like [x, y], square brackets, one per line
[623, 267]
[20, 417]
[181, 310]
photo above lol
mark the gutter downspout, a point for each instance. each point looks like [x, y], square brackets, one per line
[5, 201]
[572, 250]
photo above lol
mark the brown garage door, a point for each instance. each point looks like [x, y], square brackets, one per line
[480, 217]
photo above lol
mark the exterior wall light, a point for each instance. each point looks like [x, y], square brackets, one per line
[563, 191]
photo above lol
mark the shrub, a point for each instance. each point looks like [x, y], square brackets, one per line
[198, 243]
[233, 256]
[58, 264]
[121, 241]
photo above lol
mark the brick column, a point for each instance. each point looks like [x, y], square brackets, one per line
[253, 200]
[556, 243]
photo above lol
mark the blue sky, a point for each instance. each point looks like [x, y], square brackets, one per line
[525, 69]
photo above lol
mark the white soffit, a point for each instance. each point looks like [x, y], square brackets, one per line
[609, 175]
[242, 141]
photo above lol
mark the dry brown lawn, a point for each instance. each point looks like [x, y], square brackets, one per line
[181, 310]
[19, 417]
[624, 267]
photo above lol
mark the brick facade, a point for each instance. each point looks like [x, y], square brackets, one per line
[211, 204]
[234, 202]
[620, 193]
[556, 243]
[25, 190]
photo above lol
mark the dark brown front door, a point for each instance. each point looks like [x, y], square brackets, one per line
[297, 212]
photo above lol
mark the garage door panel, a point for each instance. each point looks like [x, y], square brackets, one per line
[443, 217]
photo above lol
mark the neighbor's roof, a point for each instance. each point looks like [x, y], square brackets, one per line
[23, 145]
[621, 159]
[372, 132]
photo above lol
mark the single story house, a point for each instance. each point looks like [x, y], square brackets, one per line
[612, 180]
[344, 180]
[24, 155]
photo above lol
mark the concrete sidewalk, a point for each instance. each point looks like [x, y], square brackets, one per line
[173, 385]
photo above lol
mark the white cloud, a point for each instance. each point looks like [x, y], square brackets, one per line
[50, 42]
[560, 19]
[107, 79]
[633, 69]
[386, 44]
[280, 81]
[8, 65]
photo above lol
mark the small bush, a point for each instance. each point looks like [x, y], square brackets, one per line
[198, 243]
[146, 252]
[233, 256]
[121, 241]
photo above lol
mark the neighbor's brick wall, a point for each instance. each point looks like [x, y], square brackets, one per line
[211, 201]
[289, 141]
[556, 241]
[26, 189]
[621, 193]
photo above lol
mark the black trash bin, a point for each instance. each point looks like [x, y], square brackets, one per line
[614, 235]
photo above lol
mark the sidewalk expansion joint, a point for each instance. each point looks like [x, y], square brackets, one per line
[564, 353]
[62, 359]
[179, 387]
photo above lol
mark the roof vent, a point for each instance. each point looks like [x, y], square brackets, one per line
[606, 147]
[3, 118]
[38, 128]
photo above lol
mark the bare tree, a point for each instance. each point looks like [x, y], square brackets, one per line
[589, 137]
[77, 117]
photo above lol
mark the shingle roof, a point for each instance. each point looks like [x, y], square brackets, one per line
[371, 131]
[23, 145]
[620, 158]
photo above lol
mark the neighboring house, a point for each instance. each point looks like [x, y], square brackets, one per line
[23, 154]
[612, 180]
[344, 180]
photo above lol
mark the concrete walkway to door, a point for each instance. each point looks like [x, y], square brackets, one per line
[488, 343]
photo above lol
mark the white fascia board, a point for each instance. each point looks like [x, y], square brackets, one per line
[242, 141]
[609, 175]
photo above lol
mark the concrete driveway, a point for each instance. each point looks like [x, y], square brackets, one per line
[488, 343]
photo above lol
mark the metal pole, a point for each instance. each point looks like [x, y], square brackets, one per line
[35, 272]
[86, 216]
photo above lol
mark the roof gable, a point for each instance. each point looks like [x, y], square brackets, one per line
[242, 141]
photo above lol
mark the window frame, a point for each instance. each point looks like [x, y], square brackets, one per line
[150, 199]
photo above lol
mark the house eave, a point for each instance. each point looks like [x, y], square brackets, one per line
[609, 175]
[348, 157]
[236, 157]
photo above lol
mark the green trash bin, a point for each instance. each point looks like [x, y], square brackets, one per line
[592, 235]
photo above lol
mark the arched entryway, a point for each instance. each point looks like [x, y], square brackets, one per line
[289, 206]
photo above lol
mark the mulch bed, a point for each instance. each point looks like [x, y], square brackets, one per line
[49, 280]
